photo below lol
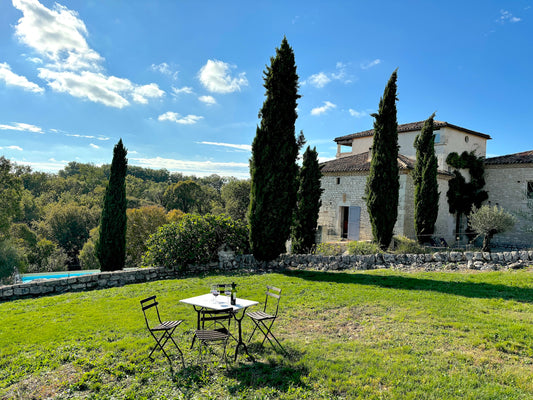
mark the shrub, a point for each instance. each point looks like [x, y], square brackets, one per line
[360, 248]
[403, 245]
[329, 249]
[195, 239]
[11, 259]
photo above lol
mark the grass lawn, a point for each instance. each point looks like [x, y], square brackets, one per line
[371, 335]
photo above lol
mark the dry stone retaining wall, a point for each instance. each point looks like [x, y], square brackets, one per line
[442, 261]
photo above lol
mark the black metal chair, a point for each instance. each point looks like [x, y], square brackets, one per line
[264, 319]
[213, 329]
[161, 331]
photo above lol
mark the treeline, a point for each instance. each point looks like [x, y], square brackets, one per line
[47, 219]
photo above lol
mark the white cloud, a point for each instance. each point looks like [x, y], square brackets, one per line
[71, 66]
[177, 118]
[22, 127]
[12, 79]
[325, 108]
[371, 64]
[108, 90]
[246, 147]
[215, 76]
[47, 166]
[209, 100]
[185, 90]
[506, 16]
[94, 146]
[198, 168]
[11, 148]
[319, 80]
[141, 94]
[103, 138]
[57, 34]
[357, 114]
[165, 69]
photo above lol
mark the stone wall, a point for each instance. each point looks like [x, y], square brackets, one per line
[442, 261]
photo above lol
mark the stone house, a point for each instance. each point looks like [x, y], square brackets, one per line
[343, 213]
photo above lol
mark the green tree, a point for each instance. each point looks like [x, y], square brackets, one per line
[189, 197]
[383, 183]
[142, 222]
[111, 246]
[69, 225]
[10, 196]
[425, 180]
[273, 166]
[462, 195]
[308, 204]
[195, 239]
[236, 198]
[488, 221]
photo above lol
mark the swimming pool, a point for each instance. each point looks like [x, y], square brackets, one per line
[57, 275]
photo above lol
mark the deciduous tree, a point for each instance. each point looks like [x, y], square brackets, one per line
[488, 221]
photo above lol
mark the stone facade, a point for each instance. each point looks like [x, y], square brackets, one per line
[344, 179]
[507, 185]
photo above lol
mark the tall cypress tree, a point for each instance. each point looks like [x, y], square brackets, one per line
[425, 180]
[111, 246]
[383, 183]
[273, 166]
[308, 204]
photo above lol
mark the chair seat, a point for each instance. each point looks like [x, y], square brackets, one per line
[260, 315]
[166, 325]
[208, 335]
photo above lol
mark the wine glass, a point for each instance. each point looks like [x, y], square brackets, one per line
[227, 291]
[215, 292]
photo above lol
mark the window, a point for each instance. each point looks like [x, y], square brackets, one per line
[467, 139]
[530, 189]
[437, 137]
[338, 181]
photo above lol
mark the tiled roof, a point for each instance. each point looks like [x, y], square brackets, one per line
[360, 162]
[413, 126]
[525, 157]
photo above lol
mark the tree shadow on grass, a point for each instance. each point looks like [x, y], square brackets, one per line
[276, 373]
[466, 289]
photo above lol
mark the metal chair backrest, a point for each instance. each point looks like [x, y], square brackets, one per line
[274, 295]
[147, 304]
[216, 319]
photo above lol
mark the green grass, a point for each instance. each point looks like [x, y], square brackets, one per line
[369, 335]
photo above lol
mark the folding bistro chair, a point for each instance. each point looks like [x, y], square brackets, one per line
[161, 331]
[213, 329]
[264, 319]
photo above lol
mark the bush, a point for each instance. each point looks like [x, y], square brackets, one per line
[195, 239]
[403, 245]
[329, 249]
[360, 248]
[11, 260]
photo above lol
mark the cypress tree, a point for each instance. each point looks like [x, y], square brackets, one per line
[383, 183]
[273, 166]
[425, 180]
[111, 246]
[308, 204]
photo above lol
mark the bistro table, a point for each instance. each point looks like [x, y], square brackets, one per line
[222, 302]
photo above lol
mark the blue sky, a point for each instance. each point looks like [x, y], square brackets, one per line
[181, 81]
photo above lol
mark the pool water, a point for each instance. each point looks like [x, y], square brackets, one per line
[56, 275]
